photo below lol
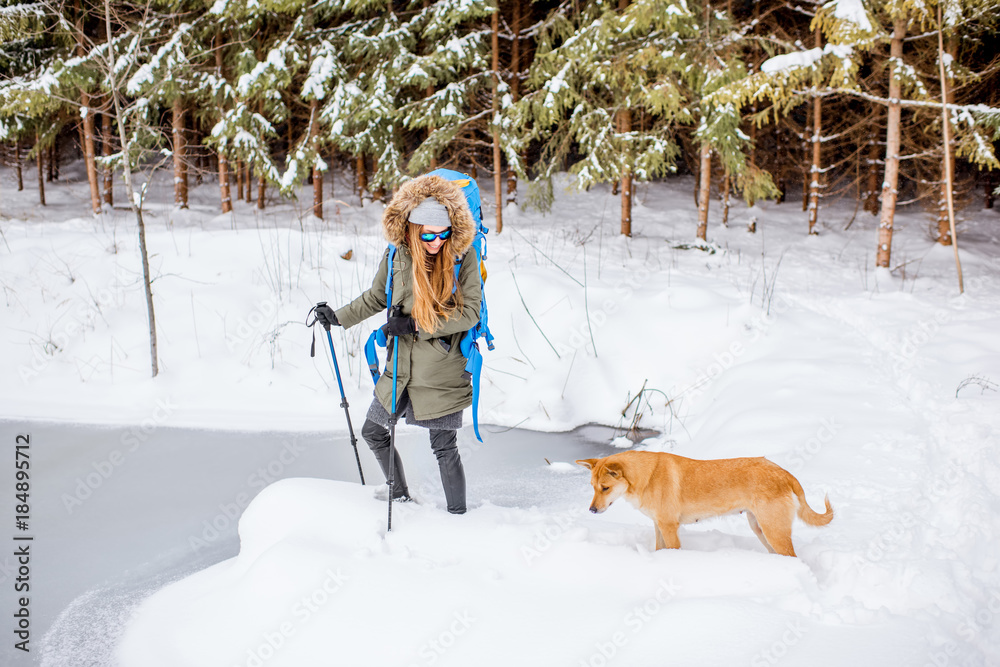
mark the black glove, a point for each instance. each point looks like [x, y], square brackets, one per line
[325, 315]
[399, 324]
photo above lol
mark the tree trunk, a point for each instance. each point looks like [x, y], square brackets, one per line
[224, 192]
[497, 162]
[290, 132]
[136, 206]
[226, 197]
[949, 180]
[806, 158]
[755, 66]
[753, 147]
[780, 155]
[109, 180]
[945, 210]
[89, 154]
[891, 181]
[41, 168]
[147, 282]
[626, 185]
[201, 162]
[88, 121]
[430, 131]
[362, 177]
[624, 127]
[726, 181]
[50, 173]
[704, 189]
[427, 93]
[180, 170]
[814, 170]
[239, 180]
[378, 191]
[248, 179]
[515, 90]
[317, 174]
[871, 195]
[17, 157]
[107, 132]
[943, 226]
[333, 161]
[261, 192]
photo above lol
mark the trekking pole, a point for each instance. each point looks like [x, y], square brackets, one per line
[343, 396]
[392, 429]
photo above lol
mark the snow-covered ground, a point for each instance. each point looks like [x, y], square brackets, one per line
[875, 387]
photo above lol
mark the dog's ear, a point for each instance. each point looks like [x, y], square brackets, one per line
[615, 469]
[587, 463]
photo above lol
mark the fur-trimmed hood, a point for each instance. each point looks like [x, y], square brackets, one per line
[410, 194]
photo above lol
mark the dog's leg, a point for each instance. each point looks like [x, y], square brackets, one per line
[667, 533]
[755, 527]
[659, 537]
[776, 524]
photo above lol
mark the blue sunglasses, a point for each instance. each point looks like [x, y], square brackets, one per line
[428, 237]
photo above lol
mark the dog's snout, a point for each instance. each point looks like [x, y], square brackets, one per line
[593, 510]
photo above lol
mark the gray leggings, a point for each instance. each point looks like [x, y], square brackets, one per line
[444, 444]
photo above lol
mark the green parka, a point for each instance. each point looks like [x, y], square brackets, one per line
[431, 364]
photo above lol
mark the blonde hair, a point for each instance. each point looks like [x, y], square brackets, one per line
[435, 295]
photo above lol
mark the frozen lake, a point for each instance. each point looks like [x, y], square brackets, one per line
[118, 512]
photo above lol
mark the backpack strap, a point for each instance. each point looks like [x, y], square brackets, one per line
[469, 344]
[474, 367]
[378, 337]
[388, 278]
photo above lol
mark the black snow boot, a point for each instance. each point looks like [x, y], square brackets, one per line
[378, 441]
[445, 446]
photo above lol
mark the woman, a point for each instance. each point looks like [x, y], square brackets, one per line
[432, 228]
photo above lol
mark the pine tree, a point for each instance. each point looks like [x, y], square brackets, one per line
[594, 71]
[519, 54]
[364, 91]
[255, 54]
[324, 69]
[167, 75]
[87, 112]
[450, 84]
[34, 108]
[711, 62]
[853, 38]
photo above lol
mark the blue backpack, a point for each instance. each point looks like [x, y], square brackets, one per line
[469, 344]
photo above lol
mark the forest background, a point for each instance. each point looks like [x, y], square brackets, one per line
[889, 103]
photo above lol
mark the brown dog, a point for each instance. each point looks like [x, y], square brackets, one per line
[672, 490]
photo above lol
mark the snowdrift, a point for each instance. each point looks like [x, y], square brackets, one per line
[318, 582]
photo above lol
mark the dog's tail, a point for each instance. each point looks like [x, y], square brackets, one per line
[806, 513]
